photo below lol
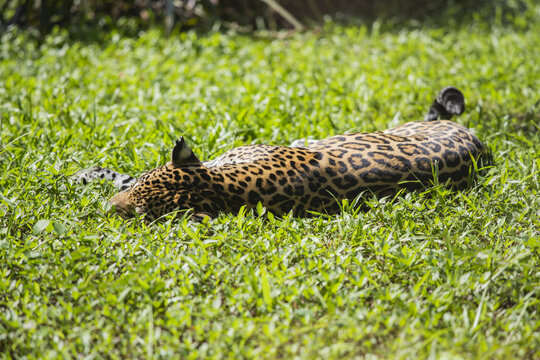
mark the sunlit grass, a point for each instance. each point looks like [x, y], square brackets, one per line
[441, 273]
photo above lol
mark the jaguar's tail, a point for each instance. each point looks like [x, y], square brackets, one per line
[450, 101]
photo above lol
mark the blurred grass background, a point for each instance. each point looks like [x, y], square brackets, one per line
[249, 15]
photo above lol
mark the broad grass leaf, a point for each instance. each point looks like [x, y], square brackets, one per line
[41, 225]
[265, 286]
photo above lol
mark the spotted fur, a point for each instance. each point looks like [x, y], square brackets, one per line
[311, 178]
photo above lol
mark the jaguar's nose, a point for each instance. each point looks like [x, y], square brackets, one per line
[122, 205]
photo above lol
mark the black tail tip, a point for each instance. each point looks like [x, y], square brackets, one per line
[450, 101]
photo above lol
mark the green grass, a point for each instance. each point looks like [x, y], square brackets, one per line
[440, 274]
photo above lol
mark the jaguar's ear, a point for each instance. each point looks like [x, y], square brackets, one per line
[182, 155]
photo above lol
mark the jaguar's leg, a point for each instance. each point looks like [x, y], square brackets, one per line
[120, 181]
[450, 101]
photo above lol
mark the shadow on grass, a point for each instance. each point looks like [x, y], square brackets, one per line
[431, 13]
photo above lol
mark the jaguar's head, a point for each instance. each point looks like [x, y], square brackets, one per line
[163, 189]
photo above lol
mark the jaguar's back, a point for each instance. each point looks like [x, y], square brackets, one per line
[314, 178]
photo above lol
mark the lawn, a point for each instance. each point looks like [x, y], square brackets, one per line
[434, 274]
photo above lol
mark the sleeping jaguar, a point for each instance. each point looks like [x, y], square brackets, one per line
[306, 179]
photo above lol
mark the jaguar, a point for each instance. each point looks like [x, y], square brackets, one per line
[307, 177]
